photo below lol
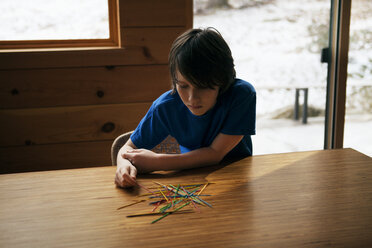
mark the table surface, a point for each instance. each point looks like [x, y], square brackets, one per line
[302, 199]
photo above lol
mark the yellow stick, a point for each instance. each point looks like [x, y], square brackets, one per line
[130, 204]
[203, 188]
[164, 195]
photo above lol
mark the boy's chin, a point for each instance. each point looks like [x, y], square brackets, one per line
[198, 112]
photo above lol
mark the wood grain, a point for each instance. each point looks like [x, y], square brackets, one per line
[56, 98]
[153, 43]
[82, 86]
[140, 46]
[55, 156]
[68, 124]
[149, 13]
[303, 199]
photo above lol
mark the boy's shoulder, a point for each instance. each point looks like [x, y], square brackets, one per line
[242, 85]
[240, 89]
[166, 99]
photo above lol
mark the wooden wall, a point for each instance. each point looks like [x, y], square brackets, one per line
[62, 108]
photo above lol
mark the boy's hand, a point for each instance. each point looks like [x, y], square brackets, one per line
[143, 159]
[126, 175]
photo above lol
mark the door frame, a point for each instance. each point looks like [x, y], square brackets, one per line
[337, 58]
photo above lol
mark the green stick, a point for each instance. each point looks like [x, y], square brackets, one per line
[165, 215]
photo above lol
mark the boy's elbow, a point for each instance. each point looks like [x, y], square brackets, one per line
[217, 156]
[217, 161]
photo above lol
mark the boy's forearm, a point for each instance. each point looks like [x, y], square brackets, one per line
[119, 159]
[196, 158]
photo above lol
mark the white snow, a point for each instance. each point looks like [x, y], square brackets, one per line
[56, 19]
[275, 48]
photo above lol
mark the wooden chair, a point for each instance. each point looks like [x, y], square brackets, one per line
[168, 145]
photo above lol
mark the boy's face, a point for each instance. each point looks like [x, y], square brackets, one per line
[197, 100]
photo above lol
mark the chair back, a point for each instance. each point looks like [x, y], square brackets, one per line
[169, 145]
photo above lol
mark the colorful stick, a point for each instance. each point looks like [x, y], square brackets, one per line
[203, 188]
[130, 204]
[168, 213]
[158, 213]
[168, 196]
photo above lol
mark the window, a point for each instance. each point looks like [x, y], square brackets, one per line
[276, 46]
[358, 118]
[58, 23]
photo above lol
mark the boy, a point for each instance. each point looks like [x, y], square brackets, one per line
[209, 112]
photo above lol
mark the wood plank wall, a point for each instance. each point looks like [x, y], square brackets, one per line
[62, 108]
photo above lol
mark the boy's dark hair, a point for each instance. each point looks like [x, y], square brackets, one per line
[203, 58]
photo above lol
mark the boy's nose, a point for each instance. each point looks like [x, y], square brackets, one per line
[193, 95]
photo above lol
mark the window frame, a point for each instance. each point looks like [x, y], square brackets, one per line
[337, 74]
[112, 41]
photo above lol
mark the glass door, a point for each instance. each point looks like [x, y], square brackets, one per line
[276, 45]
[358, 117]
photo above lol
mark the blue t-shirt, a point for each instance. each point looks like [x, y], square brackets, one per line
[234, 113]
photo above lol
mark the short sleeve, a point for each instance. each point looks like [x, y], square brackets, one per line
[150, 131]
[241, 116]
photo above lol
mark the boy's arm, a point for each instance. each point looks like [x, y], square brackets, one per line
[146, 160]
[125, 172]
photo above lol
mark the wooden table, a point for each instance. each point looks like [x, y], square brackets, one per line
[302, 199]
